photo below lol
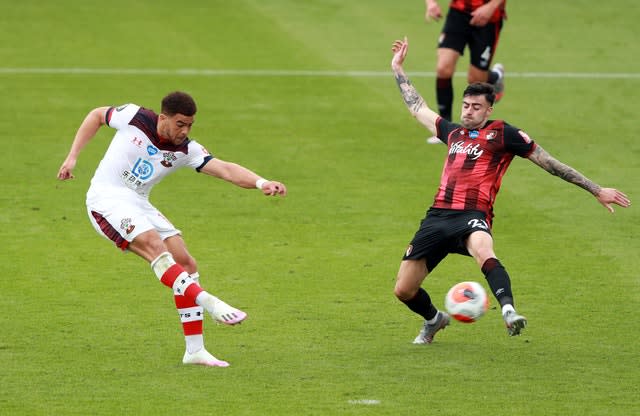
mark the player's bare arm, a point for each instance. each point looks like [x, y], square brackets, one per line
[242, 177]
[89, 127]
[547, 162]
[412, 99]
[606, 196]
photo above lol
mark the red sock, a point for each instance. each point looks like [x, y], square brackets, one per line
[186, 286]
[191, 315]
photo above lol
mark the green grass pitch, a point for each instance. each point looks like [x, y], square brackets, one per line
[301, 91]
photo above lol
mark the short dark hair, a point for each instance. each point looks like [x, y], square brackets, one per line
[178, 102]
[481, 88]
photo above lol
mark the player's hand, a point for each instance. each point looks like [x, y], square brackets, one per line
[481, 16]
[272, 188]
[66, 170]
[433, 12]
[399, 49]
[608, 196]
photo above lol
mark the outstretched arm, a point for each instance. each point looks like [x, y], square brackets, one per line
[414, 102]
[242, 177]
[86, 131]
[606, 196]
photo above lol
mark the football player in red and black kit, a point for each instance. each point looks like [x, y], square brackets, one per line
[473, 23]
[459, 221]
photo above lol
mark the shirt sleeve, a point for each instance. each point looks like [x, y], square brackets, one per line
[119, 117]
[198, 155]
[443, 128]
[517, 141]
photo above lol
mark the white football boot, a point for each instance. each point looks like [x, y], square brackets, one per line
[221, 311]
[203, 357]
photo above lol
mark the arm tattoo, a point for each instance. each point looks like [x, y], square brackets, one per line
[543, 159]
[411, 97]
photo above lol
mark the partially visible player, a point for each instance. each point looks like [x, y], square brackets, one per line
[473, 23]
[145, 148]
[460, 219]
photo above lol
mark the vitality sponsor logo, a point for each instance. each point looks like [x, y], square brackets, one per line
[472, 150]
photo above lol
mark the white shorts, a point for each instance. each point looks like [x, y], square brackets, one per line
[121, 220]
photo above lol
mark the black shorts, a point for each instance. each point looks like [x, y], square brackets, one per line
[444, 231]
[482, 41]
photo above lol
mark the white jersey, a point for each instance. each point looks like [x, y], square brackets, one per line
[136, 159]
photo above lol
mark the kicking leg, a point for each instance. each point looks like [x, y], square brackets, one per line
[189, 297]
[191, 314]
[172, 274]
[480, 246]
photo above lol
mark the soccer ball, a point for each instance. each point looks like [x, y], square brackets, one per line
[467, 301]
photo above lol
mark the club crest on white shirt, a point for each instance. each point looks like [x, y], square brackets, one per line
[126, 225]
[168, 159]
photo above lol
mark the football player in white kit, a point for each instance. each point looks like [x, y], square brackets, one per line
[145, 148]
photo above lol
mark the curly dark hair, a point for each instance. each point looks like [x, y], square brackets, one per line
[178, 102]
[481, 88]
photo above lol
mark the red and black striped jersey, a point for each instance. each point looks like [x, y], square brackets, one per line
[467, 6]
[476, 162]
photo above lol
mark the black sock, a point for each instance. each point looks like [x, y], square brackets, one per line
[493, 77]
[421, 304]
[444, 96]
[498, 280]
